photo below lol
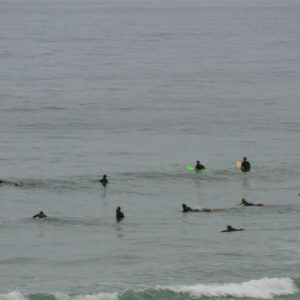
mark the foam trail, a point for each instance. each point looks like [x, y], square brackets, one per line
[99, 296]
[265, 288]
[16, 295]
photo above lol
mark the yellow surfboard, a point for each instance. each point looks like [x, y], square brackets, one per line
[238, 164]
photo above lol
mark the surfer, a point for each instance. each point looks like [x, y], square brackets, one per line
[104, 180]
[186, 208]
[119, 214]
[16, 183]
[40, 215]
[246, 203]
[198, 166]
[246, 166]
[230, 228]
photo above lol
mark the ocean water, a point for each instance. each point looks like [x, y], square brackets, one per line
[139, 90]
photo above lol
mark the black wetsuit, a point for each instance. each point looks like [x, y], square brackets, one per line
[245, 166]
[247, 203]
[232, 229]
[104, 181]
[199, 167]
[40, 216]
[1, 181]
[119, 215]
[186, 209]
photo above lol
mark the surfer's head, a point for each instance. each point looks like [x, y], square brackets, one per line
[245, 158]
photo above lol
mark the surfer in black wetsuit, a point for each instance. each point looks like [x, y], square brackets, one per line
[40, 215]
[198, 166]
[246, 166]
[119, 214]
[230, 229]
[245, 203]
[104, 180]
[17, 183]
[186, 208]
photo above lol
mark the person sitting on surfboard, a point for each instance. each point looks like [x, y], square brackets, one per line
[246, 166]
[186, 208]
[230, 229]
[104, 180]
[246, 203]
[119, 213]
[198, 166]
[40, 215]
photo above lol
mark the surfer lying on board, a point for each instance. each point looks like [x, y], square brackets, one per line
[40, 215]
[246, 203]
[246, 166]
[198, 166]
[230, 228]
[188, 209]
[16, 183]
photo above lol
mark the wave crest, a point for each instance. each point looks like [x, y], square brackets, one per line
[265, 288]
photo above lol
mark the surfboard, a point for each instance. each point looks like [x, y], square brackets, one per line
[200, 171]
[238, 164]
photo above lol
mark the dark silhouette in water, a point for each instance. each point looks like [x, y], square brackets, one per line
[119, 214]
[246, 166]
[245, 203]
[16, 183]
[230, 229]
[198, 166]
[104, 180]
[40, 215]
[186, 208]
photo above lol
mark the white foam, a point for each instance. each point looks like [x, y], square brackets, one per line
[15, 295]
[99, 296]
[265, 288]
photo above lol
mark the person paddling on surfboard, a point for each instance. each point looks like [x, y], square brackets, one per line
[246, 203]
[104, 180]
[17, 183]
[186, 208]
[230, 229]
[40, 215]
[246, 166]
[198, 166]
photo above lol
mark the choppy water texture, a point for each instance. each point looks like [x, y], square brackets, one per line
[139, 90]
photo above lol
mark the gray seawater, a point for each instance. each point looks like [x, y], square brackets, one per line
[139, 90]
